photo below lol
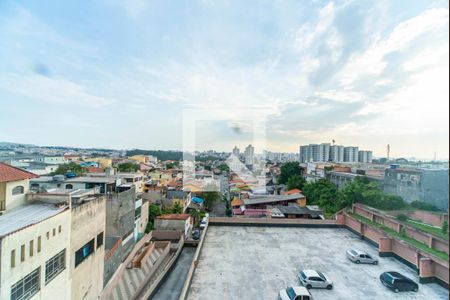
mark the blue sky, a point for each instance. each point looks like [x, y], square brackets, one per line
[119, 74]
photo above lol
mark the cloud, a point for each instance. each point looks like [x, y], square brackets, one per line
[52, 91]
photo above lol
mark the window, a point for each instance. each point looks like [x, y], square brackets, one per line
[13, 258]
[22, 253]
[99, 240]
[55, 265]
[54, 231]
[137, 213]
[59, 229]
[39, 244]
[31, 247]
[84, 252]
[69, 186]
[26, 287]
[48, 235]
[18, 190]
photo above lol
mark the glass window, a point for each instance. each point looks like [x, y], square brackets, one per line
[13, 258]
[22, 253]
[100, 239]
[82, 253]
[39, 244]
[26, 287]
[55, 265]
[18, 190]
[31, 247]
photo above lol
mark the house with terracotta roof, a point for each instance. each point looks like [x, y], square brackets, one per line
[181, 222]
[293, 191]
[14, 184]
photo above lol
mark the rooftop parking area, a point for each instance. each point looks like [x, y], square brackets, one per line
[257, 262]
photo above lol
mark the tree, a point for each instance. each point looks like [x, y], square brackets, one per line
[424, 206]
[296, 182]
[153, 212]
[172, 165]
[177, 208]
[402, 217]
[127, 167]
[69, 168]
[223, 167]
[287, 170]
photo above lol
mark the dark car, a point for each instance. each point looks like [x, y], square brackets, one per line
[196, 234]
[398, 282]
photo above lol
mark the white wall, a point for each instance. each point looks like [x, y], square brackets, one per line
[17, 200]
[58, 288]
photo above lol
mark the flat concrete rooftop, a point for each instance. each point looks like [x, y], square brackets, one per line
[257, 262]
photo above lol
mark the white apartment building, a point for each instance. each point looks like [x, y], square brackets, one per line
[350, 154]
[51, 244]
[249, 155]
[365, 156]
[337, 153]
[315, 153]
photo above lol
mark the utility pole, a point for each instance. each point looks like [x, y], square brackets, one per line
[388, 151]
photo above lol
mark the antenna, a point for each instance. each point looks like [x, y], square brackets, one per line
[388, 151]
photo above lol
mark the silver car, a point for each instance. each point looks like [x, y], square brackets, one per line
[361, 257]
[314, 279]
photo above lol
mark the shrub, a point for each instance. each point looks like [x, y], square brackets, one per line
[445, 227]
[402, 217]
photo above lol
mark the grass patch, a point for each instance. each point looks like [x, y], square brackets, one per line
[402, 237]
[428, 228]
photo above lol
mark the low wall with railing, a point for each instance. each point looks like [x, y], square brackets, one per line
[429, 267]
[424, 237]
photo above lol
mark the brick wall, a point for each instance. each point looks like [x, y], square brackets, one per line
[434, 219]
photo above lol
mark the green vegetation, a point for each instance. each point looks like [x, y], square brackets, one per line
[153, 212]
[427, 228]
[287, 170]
[402, 217]
[161, 155]
[424, 206]
[360, 190]
[296, 182]
[401, 236]
[223, 167]
[69, 168]
[127, 167]
[172, 165]
[445, 228]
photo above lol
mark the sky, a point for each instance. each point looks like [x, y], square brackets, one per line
[123, 74]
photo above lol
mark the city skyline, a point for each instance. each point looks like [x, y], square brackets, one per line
[368, 74]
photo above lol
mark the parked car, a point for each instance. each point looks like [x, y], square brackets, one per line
[398, 282]
[295, 293]
[361, 257]
[196, 234]
[314, 279]
[203, 222]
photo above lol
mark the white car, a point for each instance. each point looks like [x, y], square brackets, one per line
[361, 257]
[314, 279]
[295, 293]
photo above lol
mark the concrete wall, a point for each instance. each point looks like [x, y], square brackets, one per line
[421, 236]
[59, 287]
[182, 225]
[435, 219]
[16, 200]
[88, 220]
[431, 269]
[113, 257]
[120, 213]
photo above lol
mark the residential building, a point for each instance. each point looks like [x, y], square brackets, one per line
[337, 153]
[182, 222]
[315, 153]
[14, 184]
[350, 154]
[364, 156]
[51, 160]
[52, 247]
[249, 153]
[236, 151]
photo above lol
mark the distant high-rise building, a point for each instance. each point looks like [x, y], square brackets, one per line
[249, 155]
[365, 156]
[315, 152]
[337, 153]
[236, 151]
[351, 154]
